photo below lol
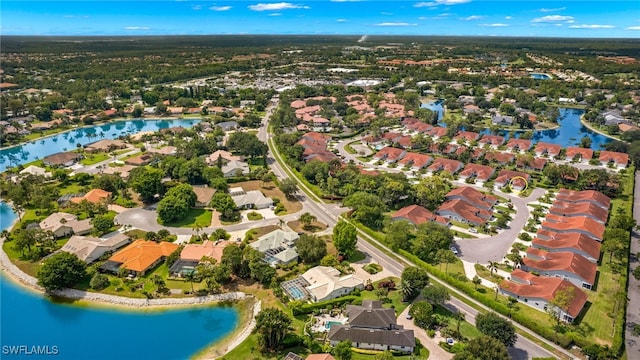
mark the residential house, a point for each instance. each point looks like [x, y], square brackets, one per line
[437, 132]
[492, 140]
[298, 104]
[547, 149]
[519, 145]
[64, 224]
[417, 215]
[590, 210]
[566, 265]
[579, 154]
[235, 168]
[462, 211]
[442, 164]
[105, 146]
[122, 171]
[527, 163]
[139, 257]
[90, 249]
[503, 120]
[621, 160]
[471, 109]
[579, 224]
[538, 292]
[165, 150]
[139, 160]
[94, 196]
[480, 173]
[320, 357]
[415, 160]
[326, 283]
[315, 147]
[252, 199]
[389, 154]
[613, 117]
[35, 170]
[370, 326]
[569, 242]
[473, 197]
[62, 159]
[278, 247]
[590, 196]
[221, 156]
[516, 180]
[192, 254]
[228, 125]
[502, 158]
[204, 194]
[466, 136]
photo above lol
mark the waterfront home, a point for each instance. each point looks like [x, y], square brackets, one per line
[518, 145]
[466, 136]
[105, 146]
[36, 171]
[480, 173]
[139, 257]
[278, 247]
[492, 140]
[570, 242]
[504, 120]
[90, 249]
[538, 292]
[62, 159]
[192, 254]
[252, 199]
[65, 224]
[579, 154]
[416, 215]
[547, 149]
[566, 265]
[370, 326]
[590, 196]
[621, 160]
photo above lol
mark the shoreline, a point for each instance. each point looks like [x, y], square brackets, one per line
[597, 131]
[115, 120]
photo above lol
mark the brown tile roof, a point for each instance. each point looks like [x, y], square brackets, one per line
[481, 172]
[568, 209]
[585, 154]
[141, 254]
[584, 196]
[561, 261]
[465, 211]
[548, 148]
[535, 163]
[492, 140]
[61, 158]
[520, 144]
[567, 241]
[500, 157]
[416, 160]
[449, 165]
[505, 176]
[389, 153]
[616, 157]
[437, 131]
[467, 136]
[417, 215]
[472, 196]
[545, 288]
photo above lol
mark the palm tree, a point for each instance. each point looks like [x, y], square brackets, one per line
[458, 317]
[493, 266]
[281, 223]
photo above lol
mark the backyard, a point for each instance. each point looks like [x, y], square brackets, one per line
[195, 217]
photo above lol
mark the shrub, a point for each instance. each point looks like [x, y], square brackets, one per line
[99, 281]
[372, 268]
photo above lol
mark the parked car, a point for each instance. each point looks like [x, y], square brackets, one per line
[473, 230]
[455, 251]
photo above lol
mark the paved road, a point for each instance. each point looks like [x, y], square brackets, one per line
[632, 343]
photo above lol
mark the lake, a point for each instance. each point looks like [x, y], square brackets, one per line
[69, 140]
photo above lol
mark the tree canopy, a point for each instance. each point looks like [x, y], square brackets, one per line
[345, 238]
[60, 271]
[495, 326]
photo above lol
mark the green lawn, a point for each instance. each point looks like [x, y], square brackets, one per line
[195, 216]
[91, 159]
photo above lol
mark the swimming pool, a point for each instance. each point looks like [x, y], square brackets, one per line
[296, 293]
[330, 323]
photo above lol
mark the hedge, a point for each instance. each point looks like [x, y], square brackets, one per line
[333, 303]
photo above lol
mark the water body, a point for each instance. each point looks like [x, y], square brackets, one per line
[68, 141]
[435, 106]
[28, 318]
[538, 76]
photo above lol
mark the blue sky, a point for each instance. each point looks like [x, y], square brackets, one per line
[574, 18]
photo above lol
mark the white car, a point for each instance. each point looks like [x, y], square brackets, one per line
[454, 250]
[473, 230]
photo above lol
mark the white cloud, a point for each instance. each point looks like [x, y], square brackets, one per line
[136, 28]
[196, 7]
[276, 6]
[508, 17]
[342, 20]
[633, 28]
[591, 26]
[386, 13]
[553, 18]
[472, 18]
[553, 10]
[495, 25]
[440, 2]
[275, 14]
[395, 24]
[220, 8]
[444, 14]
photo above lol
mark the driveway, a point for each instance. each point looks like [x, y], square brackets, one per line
[633, 305]
[435, 351]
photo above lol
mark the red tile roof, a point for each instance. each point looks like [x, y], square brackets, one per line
[416, 160]
[500, 157]
[94, 196]
[545, 288]
[616, 157]
[561, 261]
[481, 172]
[548, 148]
[491, 140]
[505, 176]
[472, 196]
[142, 254]
[449, 165]
[570, 241]
[584, 196]
[467, 136]
[466, 211]
[573, 224]
[389, 153]
[437, 131]
[585, 154]
[520, 144]
[417, 214]
[535, 163]
[568, 209]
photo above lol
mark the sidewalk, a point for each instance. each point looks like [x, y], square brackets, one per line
[470, 272]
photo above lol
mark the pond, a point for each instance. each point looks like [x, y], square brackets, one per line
[69, 140]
